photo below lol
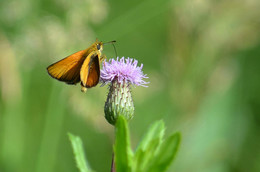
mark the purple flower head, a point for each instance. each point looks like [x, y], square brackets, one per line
[123, 70]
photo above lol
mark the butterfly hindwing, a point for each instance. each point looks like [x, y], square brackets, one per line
[94, 73]
[90, 71]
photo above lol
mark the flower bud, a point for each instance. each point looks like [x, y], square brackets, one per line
[119, 102]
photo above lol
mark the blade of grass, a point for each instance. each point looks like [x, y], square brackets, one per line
[52, 131]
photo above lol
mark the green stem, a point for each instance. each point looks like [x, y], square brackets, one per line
[113, 169]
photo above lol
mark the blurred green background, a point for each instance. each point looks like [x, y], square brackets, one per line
[202, 59]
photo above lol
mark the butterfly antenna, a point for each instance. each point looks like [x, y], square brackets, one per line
[115, 49]
[112, 42]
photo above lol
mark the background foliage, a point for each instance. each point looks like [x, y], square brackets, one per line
[202, 58]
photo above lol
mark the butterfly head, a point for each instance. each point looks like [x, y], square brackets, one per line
[99, 46]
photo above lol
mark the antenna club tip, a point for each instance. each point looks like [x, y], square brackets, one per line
[109, 42]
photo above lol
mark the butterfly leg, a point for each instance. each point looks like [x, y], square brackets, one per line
[83, 89]
[103, 57]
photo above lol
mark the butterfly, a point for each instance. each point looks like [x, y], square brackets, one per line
[82, 66]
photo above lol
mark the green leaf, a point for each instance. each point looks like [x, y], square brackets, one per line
[147, 148]
[155, 131]
[123, 153]
[165, 154]
[79, 153]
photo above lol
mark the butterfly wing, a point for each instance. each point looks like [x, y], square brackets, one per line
[94, 73]
[90, 71]
[68, 69]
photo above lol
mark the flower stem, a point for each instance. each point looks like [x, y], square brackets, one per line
[113, 169]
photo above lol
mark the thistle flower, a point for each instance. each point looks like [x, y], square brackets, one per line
[121, 74]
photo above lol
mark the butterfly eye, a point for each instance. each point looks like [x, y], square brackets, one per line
[98, 46]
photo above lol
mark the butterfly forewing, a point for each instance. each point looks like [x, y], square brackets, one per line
[68, 69]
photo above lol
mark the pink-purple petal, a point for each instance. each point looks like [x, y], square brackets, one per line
[123, 69]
